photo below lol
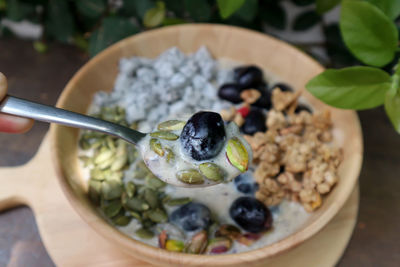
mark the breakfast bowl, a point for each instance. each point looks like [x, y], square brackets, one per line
[223, 42]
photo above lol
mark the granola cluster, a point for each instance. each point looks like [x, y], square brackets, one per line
[294, 157]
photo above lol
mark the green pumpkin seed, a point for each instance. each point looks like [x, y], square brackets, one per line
[171, 125]
[158, 216]
[155, 145]
[237, 154]
[109, 175]
[119, 162]
[212, 171]
[84, 144]
[133, 154]
[178, 201]
[110, 143]
[96, 144]
[97, 174]
[94, 191]
[165, 199]
[111, 208]
[144, 233]
[135, 215]
[106, 164]
[164, 135]
[122, 220]
[148, 223]
[130, 189]
[103, 156]
[87, 161]
[141, 170]
[151, 197]
[170, 155]
[228, 230]
[134, 125]
[153, 182]
[111, 189]
[190, 176]
[136, 204]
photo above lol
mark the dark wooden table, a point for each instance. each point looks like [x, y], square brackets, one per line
[41, 77]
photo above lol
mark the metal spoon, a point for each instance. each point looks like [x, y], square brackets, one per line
[24, 108]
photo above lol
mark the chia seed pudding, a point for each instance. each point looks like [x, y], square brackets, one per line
[196, 220]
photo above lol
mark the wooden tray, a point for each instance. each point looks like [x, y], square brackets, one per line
[71, 242]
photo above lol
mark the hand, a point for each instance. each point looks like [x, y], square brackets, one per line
[8, 123]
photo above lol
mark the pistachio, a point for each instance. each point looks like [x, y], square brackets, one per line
[212, 171]
[178, 201]
[155, 145]
[190, 176]
[122, 220]
[130, 189]
[144, 233]
[237, 154]
[171, 125]
[111, 189]
[148, 223]
[174, 245]
[94, 191]
[153, 182]
[157, 216]
[151, 197]
[228, 230]
[162, 239]
[219, 245]
[164, 135]
[103, 156]
[198, 243]
[136, 204]
[170, 155]
[248, 238]
[111, 208]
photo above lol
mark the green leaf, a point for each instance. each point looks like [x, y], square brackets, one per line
[303, 2]
[228, 7]
[368, 33]
[112, 30]
[173, 21]
[351, 88]
[392, 108]
[199, 10]
[306, 20]
[390, 7]
[59, 22]
[154, 16]
[326, 5]
[274, 15]
[248, 10]
[91, 8]
[18, 10]
[142, 6]
[175, 6]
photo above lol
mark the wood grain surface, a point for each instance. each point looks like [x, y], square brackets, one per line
[379, 213]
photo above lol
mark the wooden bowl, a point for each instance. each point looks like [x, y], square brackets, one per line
[240, 45]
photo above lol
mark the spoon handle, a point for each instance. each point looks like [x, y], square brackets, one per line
[24, 108]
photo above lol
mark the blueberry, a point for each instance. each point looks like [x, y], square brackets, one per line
[250, 214]
[302, 107]
[284, 87]
[230, 92]
[254, 122]
[248, 76]
[191, 217]
[244, 183]
[203, 136]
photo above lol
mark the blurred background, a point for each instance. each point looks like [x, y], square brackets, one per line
[44, 42]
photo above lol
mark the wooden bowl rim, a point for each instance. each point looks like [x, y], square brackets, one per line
[127, 243]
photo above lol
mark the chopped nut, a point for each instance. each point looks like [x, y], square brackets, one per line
[228, 114]
[276, 119]
[250, 96]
